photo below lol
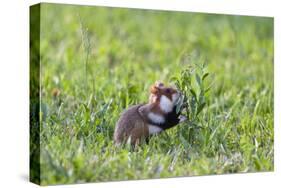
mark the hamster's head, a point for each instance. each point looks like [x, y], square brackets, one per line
[165, 96]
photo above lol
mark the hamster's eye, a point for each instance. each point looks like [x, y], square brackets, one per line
[168, 91]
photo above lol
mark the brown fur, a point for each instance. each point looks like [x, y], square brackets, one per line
[132, 126]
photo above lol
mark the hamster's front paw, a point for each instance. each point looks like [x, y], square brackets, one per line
[182, 118]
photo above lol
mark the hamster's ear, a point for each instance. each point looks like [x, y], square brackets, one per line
[159, 84]
[154, 89]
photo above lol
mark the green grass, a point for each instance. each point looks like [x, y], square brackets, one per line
[104, 60]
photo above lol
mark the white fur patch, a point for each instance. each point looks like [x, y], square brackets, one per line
[156, 118]
[154, 129]
[166, 104]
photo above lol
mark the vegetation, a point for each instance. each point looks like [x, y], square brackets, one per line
[97, 61]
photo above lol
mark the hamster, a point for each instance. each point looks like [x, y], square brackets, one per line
[140, 121]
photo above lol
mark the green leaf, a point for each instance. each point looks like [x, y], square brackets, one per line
[193, 93]
[174, 79]
[200, 108]
[193, 105]
[205, 76]
[179, 104]
[198, 79]
[208, 89]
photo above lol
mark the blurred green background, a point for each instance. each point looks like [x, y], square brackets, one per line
[97, 61]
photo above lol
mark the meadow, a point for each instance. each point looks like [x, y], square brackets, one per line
[97, 61]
